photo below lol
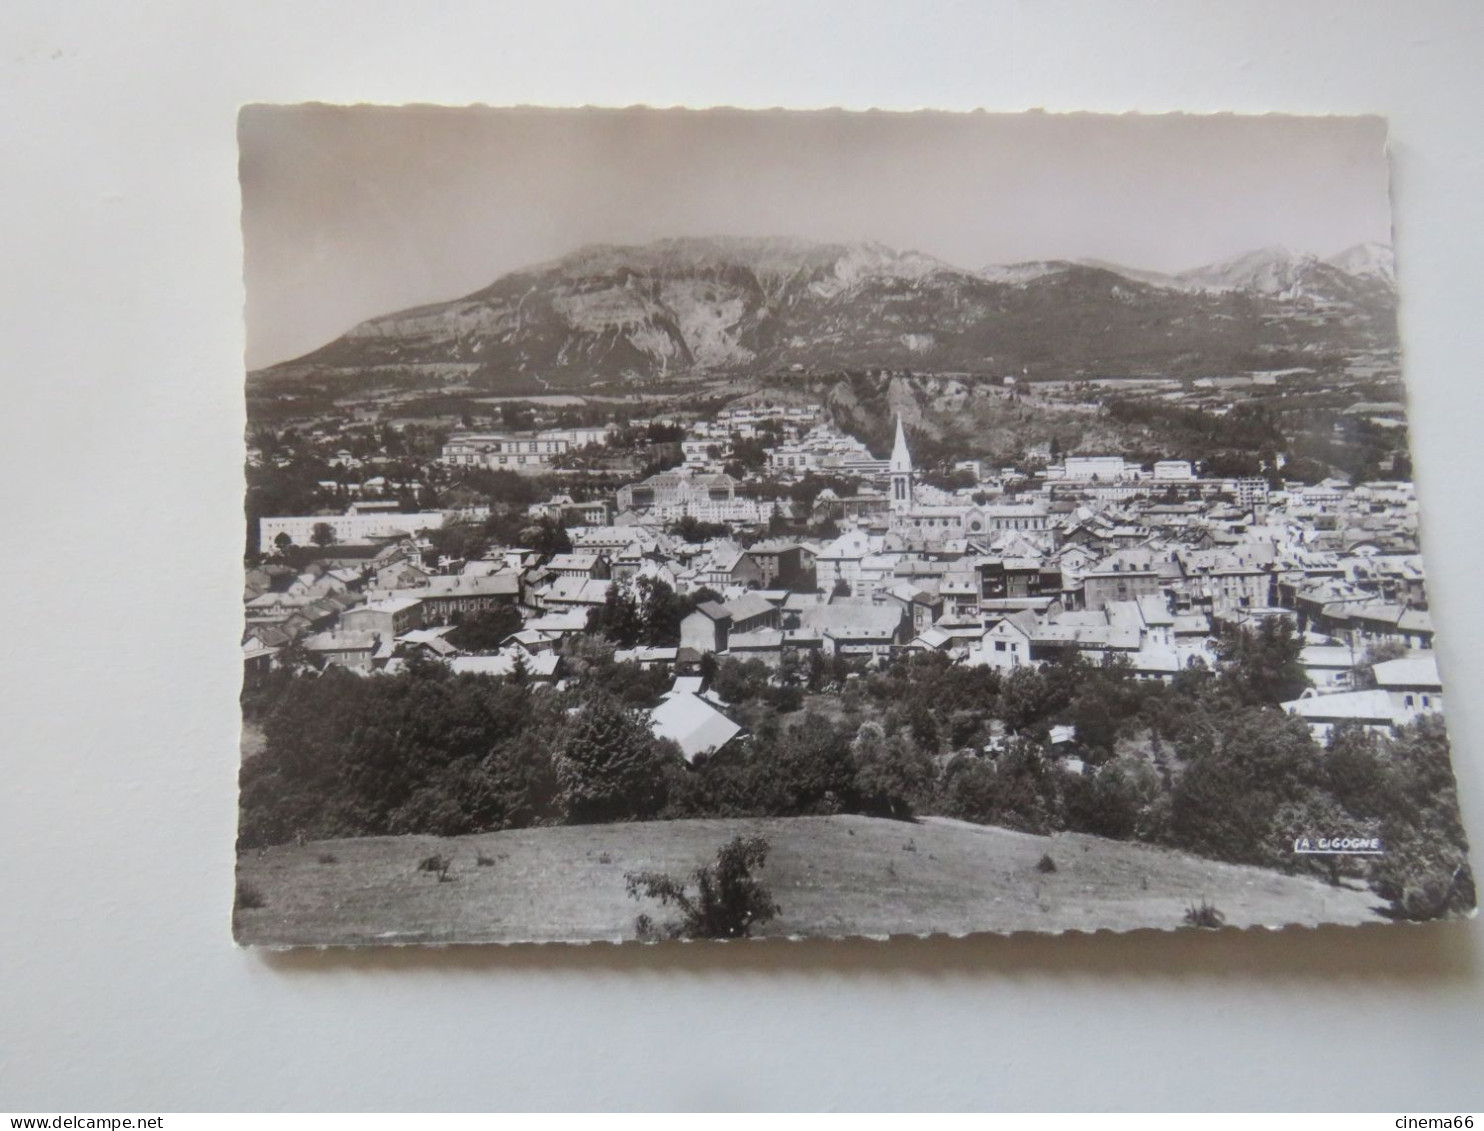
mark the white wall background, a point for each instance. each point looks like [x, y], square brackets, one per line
[120, 424]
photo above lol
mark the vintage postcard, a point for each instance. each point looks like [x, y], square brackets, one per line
[723, 524]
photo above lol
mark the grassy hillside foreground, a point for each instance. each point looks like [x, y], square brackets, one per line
[832, 876]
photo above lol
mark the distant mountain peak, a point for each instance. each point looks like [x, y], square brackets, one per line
[1368, 260]
[1277, 272]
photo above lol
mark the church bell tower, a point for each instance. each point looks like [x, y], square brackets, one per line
[901, 472]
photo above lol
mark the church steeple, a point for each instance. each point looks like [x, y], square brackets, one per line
[901, 458]
[901, 471]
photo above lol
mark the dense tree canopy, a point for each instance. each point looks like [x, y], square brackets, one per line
[1261, 665]
[485, 631]
[647, 611]
[609, 764]
[425, 751]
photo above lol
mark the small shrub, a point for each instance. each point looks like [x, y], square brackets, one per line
[605, 858]
[328, 858]
[1204, 914]
[249, 897]
[439, 865]
[910, 846]
[1046, 865]
[484, 861]
[729, 899]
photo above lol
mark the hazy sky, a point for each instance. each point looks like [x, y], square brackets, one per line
[353, 212]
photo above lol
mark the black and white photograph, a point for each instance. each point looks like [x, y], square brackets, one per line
[737, 524]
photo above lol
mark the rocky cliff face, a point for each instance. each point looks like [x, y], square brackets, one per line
[701, 306]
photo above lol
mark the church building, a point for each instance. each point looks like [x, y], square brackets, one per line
[926, 512]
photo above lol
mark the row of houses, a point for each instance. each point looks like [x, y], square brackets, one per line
[1001, 581]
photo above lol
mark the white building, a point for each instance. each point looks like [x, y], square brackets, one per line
[516, 450]
[1104, 469]
[351, 529]
[1173, 471]
[1412, 684]
[826, 449]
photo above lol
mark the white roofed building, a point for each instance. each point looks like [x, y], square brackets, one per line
[1413, 685]
[693, 724]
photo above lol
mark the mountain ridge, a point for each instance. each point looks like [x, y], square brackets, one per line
[715, 304]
